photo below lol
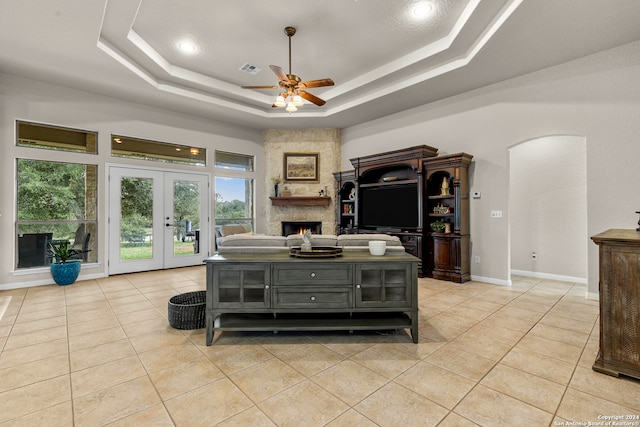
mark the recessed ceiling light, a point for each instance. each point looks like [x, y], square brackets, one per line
[421, 10]
[187, 47]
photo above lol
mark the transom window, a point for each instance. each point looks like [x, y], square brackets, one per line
[232, 161]
[56, 138]
[135, 148]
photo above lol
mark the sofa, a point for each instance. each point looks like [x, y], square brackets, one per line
[236, 239]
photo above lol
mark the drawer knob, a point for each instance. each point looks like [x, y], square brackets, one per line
[312, 298]
[313, 274]
[266, 287]
[357, 286]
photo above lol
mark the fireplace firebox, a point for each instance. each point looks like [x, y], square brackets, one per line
[298, 227]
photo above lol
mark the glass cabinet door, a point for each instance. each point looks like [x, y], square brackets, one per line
[383, 285]
[241, 286]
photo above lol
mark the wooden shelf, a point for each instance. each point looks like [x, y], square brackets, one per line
[301, 201]
[439, 197]
[383, 183]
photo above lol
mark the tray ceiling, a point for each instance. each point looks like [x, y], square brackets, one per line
[382, 56]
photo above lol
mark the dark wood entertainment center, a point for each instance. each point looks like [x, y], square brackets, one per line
[400, 193]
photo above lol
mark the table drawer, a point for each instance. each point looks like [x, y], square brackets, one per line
[312, 274]
[301, 297]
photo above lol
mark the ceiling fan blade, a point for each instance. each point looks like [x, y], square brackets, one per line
[279, 72]
[316, 83]
[311, 98]
[260, 87]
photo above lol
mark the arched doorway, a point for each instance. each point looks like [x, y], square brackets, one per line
[548, 208]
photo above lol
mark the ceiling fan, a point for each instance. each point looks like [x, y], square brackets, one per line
[294, 87]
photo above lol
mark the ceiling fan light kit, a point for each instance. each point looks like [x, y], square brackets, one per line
[293, 85]
[280, 101]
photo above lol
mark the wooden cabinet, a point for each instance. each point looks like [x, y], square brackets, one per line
[412, 243]
[275, 292]
[401, 193]
[384, 194]
[619, 351]
[346, 206]
[443, 252]
[447, 199]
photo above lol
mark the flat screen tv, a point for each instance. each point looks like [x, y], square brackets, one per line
[389, 207]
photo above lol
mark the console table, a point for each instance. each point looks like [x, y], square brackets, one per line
[277, 292]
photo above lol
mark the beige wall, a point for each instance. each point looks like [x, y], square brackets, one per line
[596, 97]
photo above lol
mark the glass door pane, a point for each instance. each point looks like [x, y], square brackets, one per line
[186, 214]
[187, 226]
[136, 228]
[136, 218]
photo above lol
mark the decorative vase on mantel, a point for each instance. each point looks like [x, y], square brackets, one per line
[275, 190]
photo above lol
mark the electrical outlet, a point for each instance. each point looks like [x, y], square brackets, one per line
[496, 214]
[534, 256]
[477, 259]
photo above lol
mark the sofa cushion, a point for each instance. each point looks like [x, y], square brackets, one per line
[231, 229]
[316, 240]
[364, 239]
[252, 249]
[249, 239]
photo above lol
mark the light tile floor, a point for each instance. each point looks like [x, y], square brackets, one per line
[100, 352]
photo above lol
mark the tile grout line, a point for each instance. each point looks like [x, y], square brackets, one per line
[477, 383]
[162, 402]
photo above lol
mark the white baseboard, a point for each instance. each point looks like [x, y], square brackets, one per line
[45, 282]
[581, 280]
[491, 280]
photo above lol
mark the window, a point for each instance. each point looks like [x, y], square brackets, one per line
[56, 138]
[238, 162]
[234, 201]
[134, 148]
[56, 202]
[234, 190]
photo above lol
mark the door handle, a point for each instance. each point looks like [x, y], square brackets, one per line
[168, 225]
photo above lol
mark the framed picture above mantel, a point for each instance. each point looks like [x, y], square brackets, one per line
[301, 167]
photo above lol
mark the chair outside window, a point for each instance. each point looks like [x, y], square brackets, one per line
[32, 249]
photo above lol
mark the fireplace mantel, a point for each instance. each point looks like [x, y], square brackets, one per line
[301, 201]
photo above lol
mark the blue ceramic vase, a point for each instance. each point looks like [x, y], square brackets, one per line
[65, 274]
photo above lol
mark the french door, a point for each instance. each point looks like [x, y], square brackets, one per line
[157, 219]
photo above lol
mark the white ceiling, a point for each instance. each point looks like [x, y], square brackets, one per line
[381, 58]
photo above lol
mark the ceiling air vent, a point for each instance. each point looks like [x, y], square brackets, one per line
[250, 69]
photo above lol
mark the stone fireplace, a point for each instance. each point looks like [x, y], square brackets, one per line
[299, 227]
[327, 144]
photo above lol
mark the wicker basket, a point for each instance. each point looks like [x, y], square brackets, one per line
[186, 311]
